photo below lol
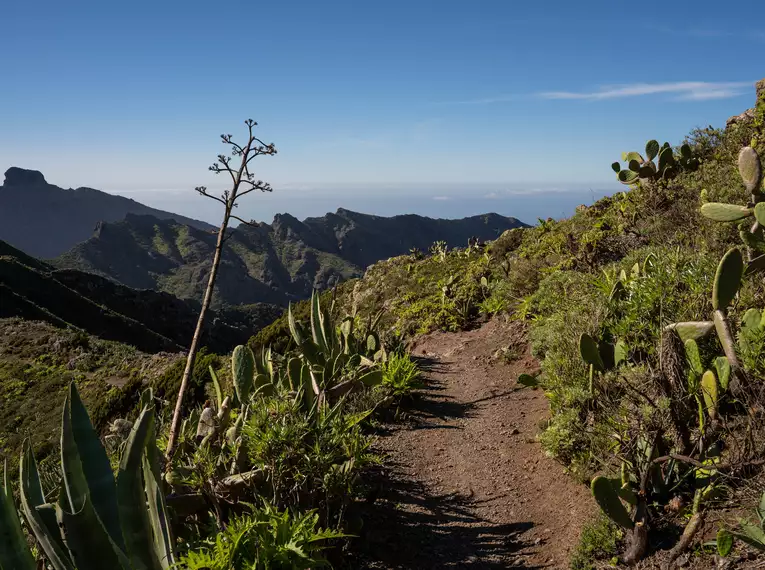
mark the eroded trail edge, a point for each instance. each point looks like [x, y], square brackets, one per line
[469, 485]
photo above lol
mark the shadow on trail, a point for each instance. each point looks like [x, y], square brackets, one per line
[403, 525]
[429, 408]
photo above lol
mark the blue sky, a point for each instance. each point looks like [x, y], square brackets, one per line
[369, 103]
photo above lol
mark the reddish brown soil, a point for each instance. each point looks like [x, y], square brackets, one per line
[469, 486]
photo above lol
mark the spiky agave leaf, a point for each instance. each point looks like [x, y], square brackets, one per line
[87, 473]
[14, 552]
[42, 521]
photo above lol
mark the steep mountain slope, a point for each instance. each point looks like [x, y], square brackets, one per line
[45, 220]
[149, 320]
[37, 363]
[273, 263]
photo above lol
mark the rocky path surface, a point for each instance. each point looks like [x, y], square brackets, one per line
[468, 485]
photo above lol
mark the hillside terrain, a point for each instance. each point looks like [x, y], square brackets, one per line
[39, 360]
[277, 263]
[149, 320]
[644, 311]
[44, 220]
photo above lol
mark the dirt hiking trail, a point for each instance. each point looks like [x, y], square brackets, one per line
[468, 485]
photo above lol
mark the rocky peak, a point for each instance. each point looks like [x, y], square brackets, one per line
[286, 222]
[15, 176]
[749, 114]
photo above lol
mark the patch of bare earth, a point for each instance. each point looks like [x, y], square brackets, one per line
[468, 485]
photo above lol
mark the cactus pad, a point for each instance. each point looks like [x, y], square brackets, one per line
[709, 391]
[620, 352]
[243, 371]
[627, 177]
[590, 352]
[725, 212]
[652, 149]
[727, 279]
[693, 356]
[692, 330]
[750, 168]
[752, 320]
[722, 367]
[628, 156]
[608, 500]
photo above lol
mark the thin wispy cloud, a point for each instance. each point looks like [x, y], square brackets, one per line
[681, 90]
[678, 90]
[709, 33]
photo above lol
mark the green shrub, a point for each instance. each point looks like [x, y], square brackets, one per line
[669, 286]
[674, 286]
[306, 460]
[597, 542]
[117, 402]
[401, 375]
[264, 539]
[167, 385]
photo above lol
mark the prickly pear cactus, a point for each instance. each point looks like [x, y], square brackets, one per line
[609, 502]
[720, 212]
[722, 367]
[750, 168]
[727, 279]
[710, 393]
[590, 352]
[692, 330]
[243, 370]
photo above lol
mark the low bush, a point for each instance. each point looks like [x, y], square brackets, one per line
[401, 375]
[265, 539]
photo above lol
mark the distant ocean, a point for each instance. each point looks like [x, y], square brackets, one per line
[526, 205]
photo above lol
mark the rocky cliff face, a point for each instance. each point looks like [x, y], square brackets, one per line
[45, 220]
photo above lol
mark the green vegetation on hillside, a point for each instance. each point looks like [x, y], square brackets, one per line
[37, 363]
[264, 471]
[605, 294]
[277, 263]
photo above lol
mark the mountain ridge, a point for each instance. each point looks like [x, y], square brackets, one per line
[45, 220]
[271, 263]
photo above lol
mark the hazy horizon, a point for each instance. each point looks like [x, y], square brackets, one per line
[524, 203]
